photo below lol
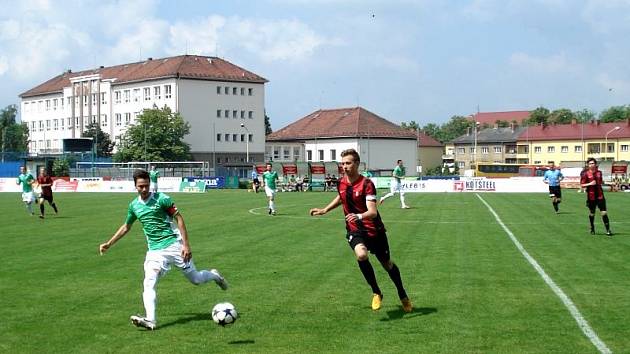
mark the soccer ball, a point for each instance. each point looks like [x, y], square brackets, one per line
[224, 314]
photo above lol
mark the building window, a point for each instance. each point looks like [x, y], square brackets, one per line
[250, 114]
[564, 149]
[242, 114]
[226, 90]
[55, 124]
[94, 99]
[127, 118]
[286, 153]
[227, 137]
[147, 93]
[234, 114]
[461, 164]
[218, 113]
[333, 155]
[276, 152]
[551, 149]
[136, 95]
[26, 106]
[624, 148]
[537, 149]
[296, 152]
[242, 91]
[103, 100]
[167, 91]
[472, 149]
[55, 102]
[537, 162]
[69, 122]
[250, 137]
[485, 150]
[157, 92]
[320, 153]
[127, 96]
[234, 90]
[116, 96]
[62, 121]
[577, 148]
[218, 90]
[227, 113]
[242, 138]
[219, 137]
[461, 150]
[234, 137]
[48, 105]
[118, 119]
[250, 91]
[104, 120]
[498, 149]
[309, 155]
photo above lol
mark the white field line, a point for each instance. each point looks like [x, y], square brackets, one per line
[581, 321]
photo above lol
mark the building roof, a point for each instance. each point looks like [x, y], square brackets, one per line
[577, 131]
[490, 118]
[491, 135]
[425, 140]
[354, 122]
[183, 66]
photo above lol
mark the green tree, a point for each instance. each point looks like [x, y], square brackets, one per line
[562, 116]
[13, 135]
[104, 144]
[157, 136]
[615, 114]
[267, 125]
[456, 126]
[433, 130]
[584, 115]
[410, 126]
[502, 123]
[61, 167]
[539, 116]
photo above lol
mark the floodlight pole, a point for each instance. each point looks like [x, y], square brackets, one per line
[246, 142]
[606, 141]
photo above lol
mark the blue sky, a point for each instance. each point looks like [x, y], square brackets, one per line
[404, 60]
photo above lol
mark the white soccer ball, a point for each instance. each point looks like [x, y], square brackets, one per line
[224, 314]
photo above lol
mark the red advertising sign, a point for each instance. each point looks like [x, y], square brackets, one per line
[289, 169]
[619, 169]
[261, 168]
[318, 169]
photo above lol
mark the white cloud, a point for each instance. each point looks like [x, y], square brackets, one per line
[4, 65]
[553, 64]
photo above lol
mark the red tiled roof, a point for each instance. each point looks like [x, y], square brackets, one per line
[183, 66]
[337, 123]
[591, 130]
[492, 117]
[426, 140]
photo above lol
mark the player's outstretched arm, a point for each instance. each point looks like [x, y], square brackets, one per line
[122, 231]
[186, 252]
[332, 205]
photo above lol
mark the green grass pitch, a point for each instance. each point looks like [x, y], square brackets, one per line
[296, 284]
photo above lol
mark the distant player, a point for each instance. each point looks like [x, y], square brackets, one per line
[154, 175]
[269, 183]
[167, 239]
[591, 180]
[27, 180]
[45, 183]
[552, 177]
[255, 180]
[365, 229]
[397, 175]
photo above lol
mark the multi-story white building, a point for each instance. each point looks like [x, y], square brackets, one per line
[224, 104]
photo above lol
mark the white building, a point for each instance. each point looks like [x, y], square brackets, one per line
[224, 104]
[324, 134]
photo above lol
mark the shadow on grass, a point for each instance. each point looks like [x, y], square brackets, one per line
[241, 342]
[193, 317]
[400, 314]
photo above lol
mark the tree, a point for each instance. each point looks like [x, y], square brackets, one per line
[61, 167]
[410, 126]
[267, 125]
[615, 114]
[432, 130]
[157, 136]
[584, 115]
[456, 126]
[539, 116]
[13, 135]
[562, 116]
[104, 144]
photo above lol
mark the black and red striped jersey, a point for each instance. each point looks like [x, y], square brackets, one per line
[594, 192]
[354, 197]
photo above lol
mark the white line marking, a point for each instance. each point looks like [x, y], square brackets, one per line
[581, 321]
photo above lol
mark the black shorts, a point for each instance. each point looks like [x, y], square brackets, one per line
[554, 191]
[599, 203]
[256, 182]
[48, 198]
[377, 245]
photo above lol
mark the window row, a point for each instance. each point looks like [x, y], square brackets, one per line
[63, 123]
[234, 137]
[320, 155]
[225, 113]
[225, 90]
[283, 153]
[144, 94]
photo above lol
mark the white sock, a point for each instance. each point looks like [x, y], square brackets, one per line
[149, 298]
[272, 205]
[402, 199]
[29, 207]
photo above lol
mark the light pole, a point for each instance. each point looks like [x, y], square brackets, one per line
[246, 142]
[606, 140]
[475, 152]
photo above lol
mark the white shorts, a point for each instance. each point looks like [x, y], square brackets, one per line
[28, 197]
[269, 192]
[154, 187]
[394, 185]
[161, 260]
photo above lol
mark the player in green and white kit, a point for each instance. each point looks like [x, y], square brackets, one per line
[154, 175]
[269, 183]
[395, 186]
[26, 180]
[167, 239]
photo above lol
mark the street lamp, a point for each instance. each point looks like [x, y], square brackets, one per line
[246, 142]
[475, 152]
[606, 140]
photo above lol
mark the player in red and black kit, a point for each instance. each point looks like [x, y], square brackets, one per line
[365, 229]
[591, 180]
[45, 182]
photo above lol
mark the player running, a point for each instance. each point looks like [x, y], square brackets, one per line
[591, 179]
[26, 180]
[365, 229]
[552, 177]
[269, 183]
[45, 183]
[167, 239]
[154, 175]
[397, 174]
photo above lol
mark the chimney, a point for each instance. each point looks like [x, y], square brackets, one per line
[150, 58]
[69, 71]
[573, 121]
[597, 122]
[102, 66]
[512, 127]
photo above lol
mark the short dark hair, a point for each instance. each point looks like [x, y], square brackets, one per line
[140, 174]
[351, 152]
[591, 159]
[398, 161]
[269, 164]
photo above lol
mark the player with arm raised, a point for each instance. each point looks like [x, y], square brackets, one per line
[168, 244]
[365, 229]
[396, 186]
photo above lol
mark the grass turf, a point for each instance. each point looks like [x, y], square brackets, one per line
[297, 286]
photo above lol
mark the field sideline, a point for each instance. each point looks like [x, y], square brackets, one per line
[297, 286]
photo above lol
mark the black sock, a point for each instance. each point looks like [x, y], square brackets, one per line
[368, 274]
[394, 274]
[555, 206]
[54, 207]
[606, 222]
[41, 208]
[591, 218]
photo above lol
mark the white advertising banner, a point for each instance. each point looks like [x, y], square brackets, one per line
[9, 185]
[169, 184]
[499, 185]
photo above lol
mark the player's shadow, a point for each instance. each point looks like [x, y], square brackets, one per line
[243, 341]
[191, 318]
[400, 314]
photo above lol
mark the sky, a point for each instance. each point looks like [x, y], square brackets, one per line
[423, 60]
